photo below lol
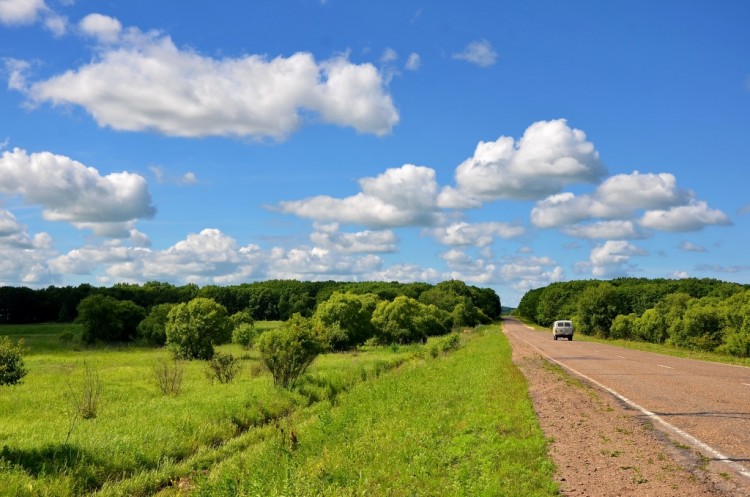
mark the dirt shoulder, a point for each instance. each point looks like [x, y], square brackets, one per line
[602, 447]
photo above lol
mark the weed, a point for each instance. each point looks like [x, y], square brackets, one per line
[222, 368]
[83, 401]
[168, 376]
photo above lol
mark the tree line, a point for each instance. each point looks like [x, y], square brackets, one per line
[699, 314]
[275, 300]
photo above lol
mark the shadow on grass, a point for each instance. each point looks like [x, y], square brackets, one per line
[87, 472]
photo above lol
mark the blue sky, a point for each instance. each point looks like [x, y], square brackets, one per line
[506, 144]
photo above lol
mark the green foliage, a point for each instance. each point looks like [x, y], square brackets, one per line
[244, 335]
[288, 351]
[405, 320]
[106, 319]
[344, 320]
[194, 328]
[11, 363]
[242, 317]
[222, 368]
[598, 306]
[153, 329]
[623, 327]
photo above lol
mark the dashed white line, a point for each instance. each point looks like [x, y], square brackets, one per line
[748, 384]
[621, 357]
[663, 366]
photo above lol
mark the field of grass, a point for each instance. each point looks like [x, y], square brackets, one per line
[381, 421]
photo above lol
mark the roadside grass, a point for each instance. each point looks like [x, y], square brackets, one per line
[377, 421]
[460, 425]
[654, 347]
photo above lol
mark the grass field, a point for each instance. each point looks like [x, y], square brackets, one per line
[381, 421]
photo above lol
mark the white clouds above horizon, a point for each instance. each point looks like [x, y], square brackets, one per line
[70, 191]
[24, 12]
[610, 259]
[143, 82]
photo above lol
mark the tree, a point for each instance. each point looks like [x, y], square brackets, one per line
[153, 328]
[195, 327]
[404, 320]
[11, 363]
[289, 350]
[107, 319]
[343, 320]
[598, 305]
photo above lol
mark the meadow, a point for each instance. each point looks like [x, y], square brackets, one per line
[450, 417]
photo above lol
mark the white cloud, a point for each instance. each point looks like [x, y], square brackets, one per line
[413, 63]
[525, 273]
[104, 28]
[389, 55]
[321, 264]
[718, 268]
[692, 217]
[691, 247]
[549, 156]
[469, 269]
[478, 234]
[328, 237]
[21, 11]
[404, 196]
[405, 273]
[479, 53]
[611, 259]
[605, 230]
[665, 207]
[143, 82]
[69, 191]
[161, 176]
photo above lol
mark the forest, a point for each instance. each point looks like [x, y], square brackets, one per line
[697, 314]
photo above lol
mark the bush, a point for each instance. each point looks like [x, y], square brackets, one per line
[107, 319]
[244, 335]
[195, 327]
[288, 351]
[169, 376]
[153, 329]
[222, 368]
[11, 362]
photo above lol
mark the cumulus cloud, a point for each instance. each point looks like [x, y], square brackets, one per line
[692, 217]
[70, 191]
[549, 156]
[104, 28]
[612, 258]
[479, 52]
[466, 268]
[478, 234]
[21, 11]
[718, 268]
[525, 273]
[329, 237]
[143, 82]
[404, 196]
[663, 205]
[413, 62]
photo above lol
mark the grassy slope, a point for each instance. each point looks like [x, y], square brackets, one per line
[460, 424]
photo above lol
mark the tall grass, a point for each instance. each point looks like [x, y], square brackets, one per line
[458, 425]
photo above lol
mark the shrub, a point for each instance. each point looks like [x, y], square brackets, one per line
[108, 320]
[288, 351]
[244, 335]
[84, 399]
[153, 329]
[11, 362]
[195, 327]
[169, 376]
[222, 368]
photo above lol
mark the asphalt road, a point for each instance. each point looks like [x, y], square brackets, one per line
[705, 404]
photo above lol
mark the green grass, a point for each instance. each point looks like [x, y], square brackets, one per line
[380, 421]
[657, 348]
[460, 424]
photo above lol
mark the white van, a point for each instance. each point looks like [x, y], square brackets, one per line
[562, 328]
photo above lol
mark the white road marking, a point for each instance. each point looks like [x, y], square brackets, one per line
[686, 436]
[621, 357]
[748, 384]
[663, 366]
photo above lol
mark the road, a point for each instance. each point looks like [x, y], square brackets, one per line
[705, 404]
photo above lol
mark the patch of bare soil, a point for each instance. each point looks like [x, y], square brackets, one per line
[602, 447]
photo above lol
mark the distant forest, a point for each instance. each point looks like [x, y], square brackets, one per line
[698, 314]
[266, 300]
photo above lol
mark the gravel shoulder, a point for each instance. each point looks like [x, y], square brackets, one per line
[602, 447]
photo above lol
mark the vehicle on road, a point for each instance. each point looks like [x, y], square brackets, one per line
[562, 328]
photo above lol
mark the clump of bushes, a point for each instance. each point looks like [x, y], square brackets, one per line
[168, 376]
[222, 368]
[289, 350]
[194, 328]
[11, 363]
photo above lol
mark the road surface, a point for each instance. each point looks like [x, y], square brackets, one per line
[705, 404]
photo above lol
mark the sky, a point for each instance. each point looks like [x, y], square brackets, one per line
[506, 144]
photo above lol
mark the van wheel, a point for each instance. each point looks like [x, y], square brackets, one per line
[570, 338]
[554, 337]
